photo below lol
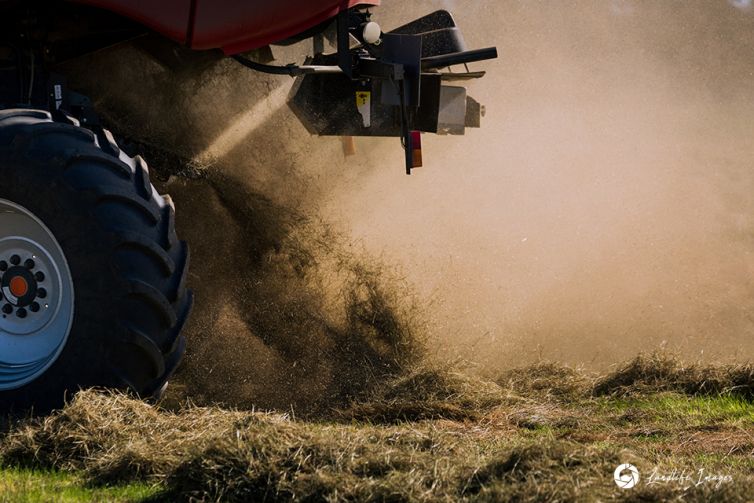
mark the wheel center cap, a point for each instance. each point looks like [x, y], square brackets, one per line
[18, 286]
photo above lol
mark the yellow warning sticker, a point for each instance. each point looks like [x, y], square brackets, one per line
[363, 98]
[364, 106]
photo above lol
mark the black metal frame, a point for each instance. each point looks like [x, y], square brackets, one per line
[401, 71]
[37, 36]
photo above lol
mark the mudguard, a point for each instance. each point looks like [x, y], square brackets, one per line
[231, 25]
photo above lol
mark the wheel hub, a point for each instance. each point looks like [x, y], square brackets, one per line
[19, 288]
[29, 284]
[36, 296]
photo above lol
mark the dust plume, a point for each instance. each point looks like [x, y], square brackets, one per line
[603, 209]
[290, 313]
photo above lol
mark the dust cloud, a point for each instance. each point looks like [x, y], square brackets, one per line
[603, 209]
[605, 206]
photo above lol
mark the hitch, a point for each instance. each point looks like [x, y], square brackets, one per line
[387, 84]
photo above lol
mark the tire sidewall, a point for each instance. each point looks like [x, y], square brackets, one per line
[39, 187]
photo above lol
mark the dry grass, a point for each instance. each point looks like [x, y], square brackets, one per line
[660, 372]
[212, 454]
[428, 393]
[646, 373]
[546, 380]
[430, 435]
[115, 438]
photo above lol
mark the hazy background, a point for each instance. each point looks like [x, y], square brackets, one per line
[604, 208]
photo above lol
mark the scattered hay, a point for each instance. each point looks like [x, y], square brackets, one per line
[543, 415]
[431, 435]
[210, 454]
[545, 380]
[308, 322]
[729, 493]
[114, 438]
[660, 372]
[427, 393]
[537, 469]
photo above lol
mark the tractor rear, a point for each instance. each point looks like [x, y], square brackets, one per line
[93, 278]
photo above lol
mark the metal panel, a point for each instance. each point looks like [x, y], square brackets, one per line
[452, 116]
[238, 26]
[167, 17]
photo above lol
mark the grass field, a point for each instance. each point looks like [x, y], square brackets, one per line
[31, 486]
[544, 433]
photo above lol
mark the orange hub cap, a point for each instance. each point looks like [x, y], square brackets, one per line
[18, 286]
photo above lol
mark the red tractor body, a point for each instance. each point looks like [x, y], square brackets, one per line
[230, 25]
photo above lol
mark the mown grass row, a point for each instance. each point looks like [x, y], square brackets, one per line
[433, 435]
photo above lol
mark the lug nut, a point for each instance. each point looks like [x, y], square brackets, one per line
[39, 276]
[41, 293]
[3, 266]
[21, 312]
[29, 264]
[7, 309]
[15, 260]
[34, 307]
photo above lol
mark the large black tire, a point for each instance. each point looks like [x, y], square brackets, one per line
[128, 267]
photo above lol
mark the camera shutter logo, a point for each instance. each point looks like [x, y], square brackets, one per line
[626, 476]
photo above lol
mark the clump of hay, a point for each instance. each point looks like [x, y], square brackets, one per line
[546, 379]
[428, 392]
[536, 472]
[660, 372]
[112, 437]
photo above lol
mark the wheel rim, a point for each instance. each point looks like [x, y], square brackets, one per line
[36, 297]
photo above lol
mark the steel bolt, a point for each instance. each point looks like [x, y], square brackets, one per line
[39, 276]
[34, 307]
[29, 264]
[41, 293]
[21, 312]
[3, 265]
[7, 309]
[15, 260]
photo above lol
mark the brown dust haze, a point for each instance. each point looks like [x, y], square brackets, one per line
[604, 208]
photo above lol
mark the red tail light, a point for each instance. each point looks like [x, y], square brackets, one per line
[416, 149]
